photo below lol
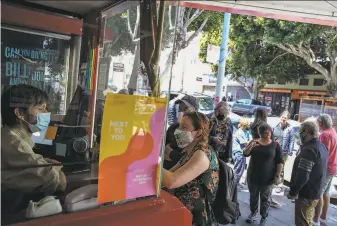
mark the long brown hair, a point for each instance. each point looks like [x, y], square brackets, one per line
[199, 122]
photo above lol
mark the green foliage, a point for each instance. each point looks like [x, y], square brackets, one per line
[254, 51]
[121, 38]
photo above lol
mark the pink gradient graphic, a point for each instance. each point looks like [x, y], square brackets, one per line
[138, 185]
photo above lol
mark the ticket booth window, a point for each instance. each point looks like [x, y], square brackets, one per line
[38, 59]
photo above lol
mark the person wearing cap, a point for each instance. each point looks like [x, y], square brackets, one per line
[172, 151]
[178, 105]
[221, 131]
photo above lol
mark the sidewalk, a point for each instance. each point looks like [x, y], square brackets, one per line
[277, 217]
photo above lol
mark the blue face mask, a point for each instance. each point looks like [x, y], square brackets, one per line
[43, 120]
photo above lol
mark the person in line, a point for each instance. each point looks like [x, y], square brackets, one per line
[241, 139]
[196, 171]
[177, 107]
[260, 117]
[278, 133]
[173, 150]
[264, 170]
[308, 174]
[23, 111]
[328, 137]
[221, 131]
[291, 140]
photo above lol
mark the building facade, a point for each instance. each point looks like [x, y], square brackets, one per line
[287, 96]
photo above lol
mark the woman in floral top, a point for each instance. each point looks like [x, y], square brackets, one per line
[197, 170]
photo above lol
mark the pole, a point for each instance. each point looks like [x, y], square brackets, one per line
[222, 59]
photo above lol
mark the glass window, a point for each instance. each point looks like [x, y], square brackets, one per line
[54, 155]
[69, 148]
[304, 82]
[205, 103]
[319, 82]
[37, 60]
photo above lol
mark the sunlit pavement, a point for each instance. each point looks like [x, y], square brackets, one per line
[282, 216]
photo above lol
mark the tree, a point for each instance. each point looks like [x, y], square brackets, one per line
[269, 49]
[126, 37]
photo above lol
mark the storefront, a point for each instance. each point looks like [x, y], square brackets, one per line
[314, 106]
[277, 99]
[82, 62]
[286, 99]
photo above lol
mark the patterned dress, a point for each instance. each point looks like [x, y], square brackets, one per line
[222, 128]
[192, 194]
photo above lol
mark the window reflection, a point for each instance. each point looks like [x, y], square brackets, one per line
[65, 146]
[36, 60]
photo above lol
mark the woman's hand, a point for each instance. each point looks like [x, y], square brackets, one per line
[254, 143]
[168, 151]
[247, 150]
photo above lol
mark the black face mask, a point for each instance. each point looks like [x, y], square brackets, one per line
[220, 117]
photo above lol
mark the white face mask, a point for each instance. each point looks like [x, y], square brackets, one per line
[183, 138]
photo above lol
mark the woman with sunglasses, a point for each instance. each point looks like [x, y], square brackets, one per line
[196, 171]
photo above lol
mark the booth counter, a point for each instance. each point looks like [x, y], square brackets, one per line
[163, 211]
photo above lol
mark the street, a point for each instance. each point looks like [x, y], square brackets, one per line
[277, 217]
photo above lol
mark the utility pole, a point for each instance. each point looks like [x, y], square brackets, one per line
[222, 60]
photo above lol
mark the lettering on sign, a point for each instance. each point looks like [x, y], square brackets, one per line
[27, 66]
[118, 130]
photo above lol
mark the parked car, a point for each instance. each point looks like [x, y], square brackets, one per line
[248, 107]
[205, 102]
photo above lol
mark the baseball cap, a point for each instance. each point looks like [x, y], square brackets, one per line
[189, 101]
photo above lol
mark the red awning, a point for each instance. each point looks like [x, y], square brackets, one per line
[266, 90]
[308, 92]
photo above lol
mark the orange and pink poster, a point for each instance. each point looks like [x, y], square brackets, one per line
[132, 135]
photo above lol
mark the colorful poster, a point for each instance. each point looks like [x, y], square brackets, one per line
[132, 134]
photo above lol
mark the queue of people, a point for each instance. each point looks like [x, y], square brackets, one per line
[268, 149]
[195, 144]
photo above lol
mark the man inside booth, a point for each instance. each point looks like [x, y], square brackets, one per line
[23, 112]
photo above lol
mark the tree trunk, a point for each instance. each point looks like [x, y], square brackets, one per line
[332, 85]
[151, 46]
[132, 86]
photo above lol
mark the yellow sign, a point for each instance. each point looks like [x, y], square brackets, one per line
[132, 135]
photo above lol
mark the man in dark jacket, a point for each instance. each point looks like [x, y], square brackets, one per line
[308, 174]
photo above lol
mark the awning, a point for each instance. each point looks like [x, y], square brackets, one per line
[315, 12]
[318, 93]
[275, 90]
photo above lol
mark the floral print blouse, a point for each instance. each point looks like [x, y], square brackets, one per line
[193, 195]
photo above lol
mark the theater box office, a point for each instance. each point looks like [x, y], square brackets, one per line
[77, 53]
